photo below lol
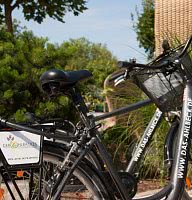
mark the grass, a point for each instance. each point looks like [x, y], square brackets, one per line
[123, 137]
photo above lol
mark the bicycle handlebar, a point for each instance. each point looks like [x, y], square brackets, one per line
[131, 66]
[161, 63]
[165, 63]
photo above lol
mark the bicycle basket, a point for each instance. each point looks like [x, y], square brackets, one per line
[164, 89]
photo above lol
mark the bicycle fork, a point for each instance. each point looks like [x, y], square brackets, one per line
[179, 168]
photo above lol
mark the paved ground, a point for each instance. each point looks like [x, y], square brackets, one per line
[151, 192]
[23, 186]
[147, 193]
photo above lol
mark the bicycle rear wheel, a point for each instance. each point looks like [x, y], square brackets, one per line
[85, 183]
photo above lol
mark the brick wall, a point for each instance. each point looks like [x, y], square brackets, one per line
[173, 20]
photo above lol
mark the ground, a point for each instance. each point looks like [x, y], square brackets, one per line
[146, 185]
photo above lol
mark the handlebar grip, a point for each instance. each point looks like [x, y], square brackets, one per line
[124, 64]
[115, 76]
[130, 65]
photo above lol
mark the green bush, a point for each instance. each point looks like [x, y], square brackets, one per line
[23, 59]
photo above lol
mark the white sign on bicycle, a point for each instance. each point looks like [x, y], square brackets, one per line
[20, 147]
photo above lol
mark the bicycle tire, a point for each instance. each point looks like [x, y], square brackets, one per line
[84, 173]
[89, 184]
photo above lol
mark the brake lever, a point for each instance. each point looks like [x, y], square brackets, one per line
[121, 79]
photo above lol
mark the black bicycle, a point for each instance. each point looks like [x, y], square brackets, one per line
[57, 169]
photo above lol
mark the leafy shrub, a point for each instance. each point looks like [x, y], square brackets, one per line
[23, 59]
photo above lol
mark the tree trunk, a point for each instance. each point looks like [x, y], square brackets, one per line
[8, 16]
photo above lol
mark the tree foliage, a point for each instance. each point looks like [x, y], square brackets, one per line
[37, 10]
[144, 27]
[24, 58]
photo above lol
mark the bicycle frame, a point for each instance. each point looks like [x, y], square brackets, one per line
[123, 110]
[174, 190]
[147, 135]
[90, 124]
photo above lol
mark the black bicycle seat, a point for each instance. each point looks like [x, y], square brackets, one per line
[62, 79]
[67, 78]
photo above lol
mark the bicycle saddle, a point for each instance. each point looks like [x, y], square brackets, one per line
[60, 80]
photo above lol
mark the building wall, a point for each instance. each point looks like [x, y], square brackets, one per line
[173, 21]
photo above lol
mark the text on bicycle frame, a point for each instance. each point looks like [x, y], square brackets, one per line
[148, 135]
[184, 146]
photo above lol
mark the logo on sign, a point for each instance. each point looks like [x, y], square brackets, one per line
[13, 144]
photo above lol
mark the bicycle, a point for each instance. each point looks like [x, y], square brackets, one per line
[73, 160]
[102, 149]
[88, 122]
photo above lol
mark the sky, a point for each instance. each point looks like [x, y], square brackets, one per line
[106, 21]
